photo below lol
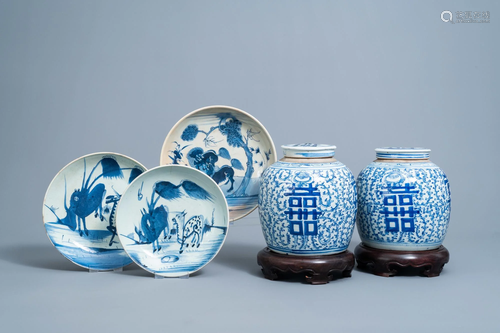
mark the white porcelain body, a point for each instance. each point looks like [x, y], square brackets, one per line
[307, 208]
[403, 204]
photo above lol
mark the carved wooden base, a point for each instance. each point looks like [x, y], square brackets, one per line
[317, 269]
[389, 263]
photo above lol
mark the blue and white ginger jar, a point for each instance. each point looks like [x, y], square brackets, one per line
[404, 201]
[307, 202]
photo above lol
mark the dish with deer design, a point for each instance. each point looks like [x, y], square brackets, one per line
[79, 209]
[172, 220]
[228, 145]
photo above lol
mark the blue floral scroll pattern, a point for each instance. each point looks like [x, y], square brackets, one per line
[432, 201]
[337, 203]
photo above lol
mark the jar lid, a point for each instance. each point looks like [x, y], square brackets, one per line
[308, 150]
[402, 152]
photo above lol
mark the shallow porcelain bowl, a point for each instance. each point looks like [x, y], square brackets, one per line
[227, 144]
[172, 220]
[79, 209]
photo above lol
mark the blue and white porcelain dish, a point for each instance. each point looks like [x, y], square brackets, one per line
[227, 144]
[79, 209]
[307, 203]
[172, 220]
[404, 201]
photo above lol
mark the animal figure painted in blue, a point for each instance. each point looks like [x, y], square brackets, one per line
[88, 199]
[154, 221]
[112, 215]
[154, 224]
[84, 202]
[203, 161]
[192, 231]
[224, 173]
[169, 191]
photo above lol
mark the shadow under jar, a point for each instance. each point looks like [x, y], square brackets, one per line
[404, 205]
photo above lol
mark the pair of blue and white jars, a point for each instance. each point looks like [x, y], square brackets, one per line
[309, 201]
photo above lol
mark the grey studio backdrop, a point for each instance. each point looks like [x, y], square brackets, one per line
[78, 77]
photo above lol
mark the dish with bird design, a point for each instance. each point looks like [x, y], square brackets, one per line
[172, 220]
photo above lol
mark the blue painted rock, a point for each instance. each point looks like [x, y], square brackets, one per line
[404, 201]
[307, 202]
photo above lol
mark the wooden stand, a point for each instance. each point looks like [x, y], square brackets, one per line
[389, 263]
[317, 269]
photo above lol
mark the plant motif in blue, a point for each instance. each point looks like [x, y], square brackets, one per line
[208, 160]
[303, 212]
